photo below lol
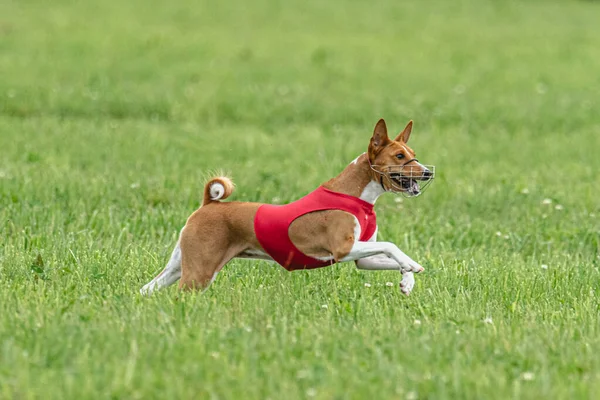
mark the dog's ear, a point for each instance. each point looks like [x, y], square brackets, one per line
[379, 140]
[380, 136]
[405, 134]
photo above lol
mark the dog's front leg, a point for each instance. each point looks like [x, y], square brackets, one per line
[367, 249]
[381, 262]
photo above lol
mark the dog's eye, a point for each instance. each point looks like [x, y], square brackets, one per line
[400, 156]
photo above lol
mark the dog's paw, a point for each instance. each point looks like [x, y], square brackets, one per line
[412, 266]
[407, 283]
[146, 290]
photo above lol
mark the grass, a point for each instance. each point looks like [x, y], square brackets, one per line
[112, 112]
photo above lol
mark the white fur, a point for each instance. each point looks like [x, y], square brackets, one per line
[356, 159]
[421, 166]
[371, 192]
[407, 283]
[380, 262]
[211, 281]
[217, 190]
[168, 276]
[367, 249]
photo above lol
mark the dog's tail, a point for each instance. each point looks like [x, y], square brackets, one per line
[216, 189]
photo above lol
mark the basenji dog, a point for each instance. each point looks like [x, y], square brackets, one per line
[334, 223]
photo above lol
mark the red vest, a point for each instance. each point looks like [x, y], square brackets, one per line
[272, 222]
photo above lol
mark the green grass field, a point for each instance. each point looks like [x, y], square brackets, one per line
[112, 113]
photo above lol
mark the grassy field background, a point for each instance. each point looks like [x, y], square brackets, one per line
[112, 112]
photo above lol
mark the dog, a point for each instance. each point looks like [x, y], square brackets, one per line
[334, 223]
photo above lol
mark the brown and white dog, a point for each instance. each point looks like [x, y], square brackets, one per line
[218, 232]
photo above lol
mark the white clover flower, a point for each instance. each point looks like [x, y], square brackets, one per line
[544, 266]
[367, 285]
[417, 322]
[547, 201]
[528, 376]
[325, 306]
[390, 284]
[559, 207]
[525, 191]
[498, 233]
[488, 320]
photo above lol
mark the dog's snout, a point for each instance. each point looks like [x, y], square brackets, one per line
[427, 175]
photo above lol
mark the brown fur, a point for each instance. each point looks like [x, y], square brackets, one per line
[213, 235]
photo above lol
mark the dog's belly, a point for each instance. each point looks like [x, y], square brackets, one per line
[254, 254]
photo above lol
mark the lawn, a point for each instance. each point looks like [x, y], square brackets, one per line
[113, 113]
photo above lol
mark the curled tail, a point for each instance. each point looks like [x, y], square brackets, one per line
[216, 189]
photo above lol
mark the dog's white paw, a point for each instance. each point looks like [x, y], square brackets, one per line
[407, 283]
[410, 265]
[146, 290]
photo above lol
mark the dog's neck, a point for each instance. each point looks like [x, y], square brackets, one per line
[357, 180]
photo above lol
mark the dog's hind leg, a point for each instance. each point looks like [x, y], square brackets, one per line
[200, 268]
[203, 256]
[167, 276]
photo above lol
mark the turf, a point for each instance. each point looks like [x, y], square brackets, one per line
[111, 114]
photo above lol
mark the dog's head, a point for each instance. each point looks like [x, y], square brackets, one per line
[394, 164]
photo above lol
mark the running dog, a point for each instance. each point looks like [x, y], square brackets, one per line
[332, 224]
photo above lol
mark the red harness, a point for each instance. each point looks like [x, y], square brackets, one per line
[272, 222]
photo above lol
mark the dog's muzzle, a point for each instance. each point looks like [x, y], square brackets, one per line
[409, 179]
